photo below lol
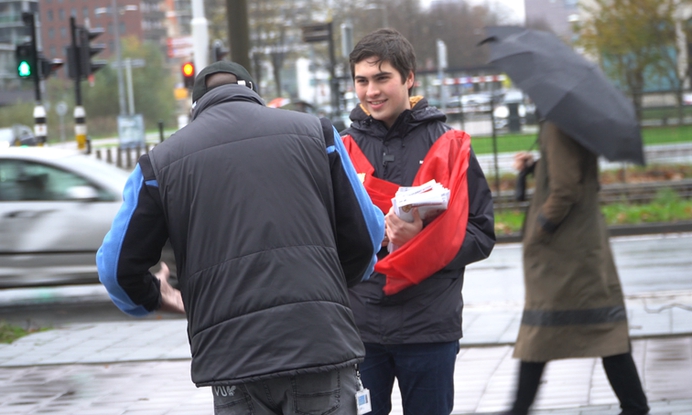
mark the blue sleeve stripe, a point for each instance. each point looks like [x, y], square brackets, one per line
[331, 149]
[373, 216]
[152, 183]
[108, 255]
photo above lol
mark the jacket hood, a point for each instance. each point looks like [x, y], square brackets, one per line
[225, 93]
[421, 112]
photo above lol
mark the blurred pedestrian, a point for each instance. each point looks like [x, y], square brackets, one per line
[574, 304]
[269, 224]
[409, 311]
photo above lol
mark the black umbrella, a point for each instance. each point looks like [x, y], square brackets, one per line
[570, 91]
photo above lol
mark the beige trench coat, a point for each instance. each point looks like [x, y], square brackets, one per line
[574, 304]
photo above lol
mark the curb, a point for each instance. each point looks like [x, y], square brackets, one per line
[485, 345]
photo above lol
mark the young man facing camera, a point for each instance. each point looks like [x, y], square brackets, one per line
[409, 310]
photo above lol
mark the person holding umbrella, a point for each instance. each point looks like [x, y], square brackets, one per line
[574, 305]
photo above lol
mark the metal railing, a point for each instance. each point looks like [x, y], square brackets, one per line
[125, 158]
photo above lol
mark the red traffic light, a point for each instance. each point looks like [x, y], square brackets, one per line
[188, 69]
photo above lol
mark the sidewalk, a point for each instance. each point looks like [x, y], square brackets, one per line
[142, 367]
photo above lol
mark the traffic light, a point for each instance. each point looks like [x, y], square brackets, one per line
[188, 70]
[26, 60]
[88, 50]
[31, 64]
[218, 51]
[48, 66]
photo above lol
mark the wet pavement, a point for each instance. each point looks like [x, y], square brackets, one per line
[142, 366]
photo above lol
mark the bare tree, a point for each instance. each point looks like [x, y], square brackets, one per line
[274, 27]
[458, 24]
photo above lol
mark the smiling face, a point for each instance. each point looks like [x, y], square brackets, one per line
[381, 90]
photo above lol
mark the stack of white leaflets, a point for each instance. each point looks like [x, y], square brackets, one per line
[430, 198]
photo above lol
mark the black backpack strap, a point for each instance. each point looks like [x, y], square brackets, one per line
[327, 131]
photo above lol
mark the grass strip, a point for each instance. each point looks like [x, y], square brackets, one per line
[511, 143]
[666, 208]
[10, 333]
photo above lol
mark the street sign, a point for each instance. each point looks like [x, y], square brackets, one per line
[131, 130]
[317, 32]
[134, 63]
[61, 108]
[180, 47]
[181, 93]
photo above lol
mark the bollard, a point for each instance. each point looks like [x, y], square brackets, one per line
[161, 131]
[129, 158]
[513, 119]
[40, 128]
[80, 128]
[119, 157]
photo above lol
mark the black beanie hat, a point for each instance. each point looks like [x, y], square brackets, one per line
[200, 86]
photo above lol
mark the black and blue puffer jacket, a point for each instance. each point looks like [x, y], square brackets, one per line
[269, 224]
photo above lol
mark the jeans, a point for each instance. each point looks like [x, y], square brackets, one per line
[425, 373]
[325, 393]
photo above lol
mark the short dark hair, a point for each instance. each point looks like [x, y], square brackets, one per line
[387, 45]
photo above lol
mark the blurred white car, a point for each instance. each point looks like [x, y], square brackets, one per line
[502, 111]
[17, 135]
[479, 102]
[55, 208]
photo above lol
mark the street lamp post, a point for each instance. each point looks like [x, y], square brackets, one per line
[118, 54]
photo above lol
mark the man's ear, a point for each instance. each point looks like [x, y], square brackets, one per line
[409, 80]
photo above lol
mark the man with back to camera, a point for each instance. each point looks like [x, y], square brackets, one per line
[409, 311]
[269, 224]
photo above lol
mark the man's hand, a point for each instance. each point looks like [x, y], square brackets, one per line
[522, 160]
[398, 230]
[171, 299]
[385, 239]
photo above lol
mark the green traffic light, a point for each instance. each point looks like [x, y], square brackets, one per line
[24, 69]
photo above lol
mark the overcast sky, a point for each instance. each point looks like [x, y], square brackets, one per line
[513, 8]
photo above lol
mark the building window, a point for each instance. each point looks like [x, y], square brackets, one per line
[51, 33]
[85, 12]
[61, 14]
[73, 12]
[52, 51]
[63, 32]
